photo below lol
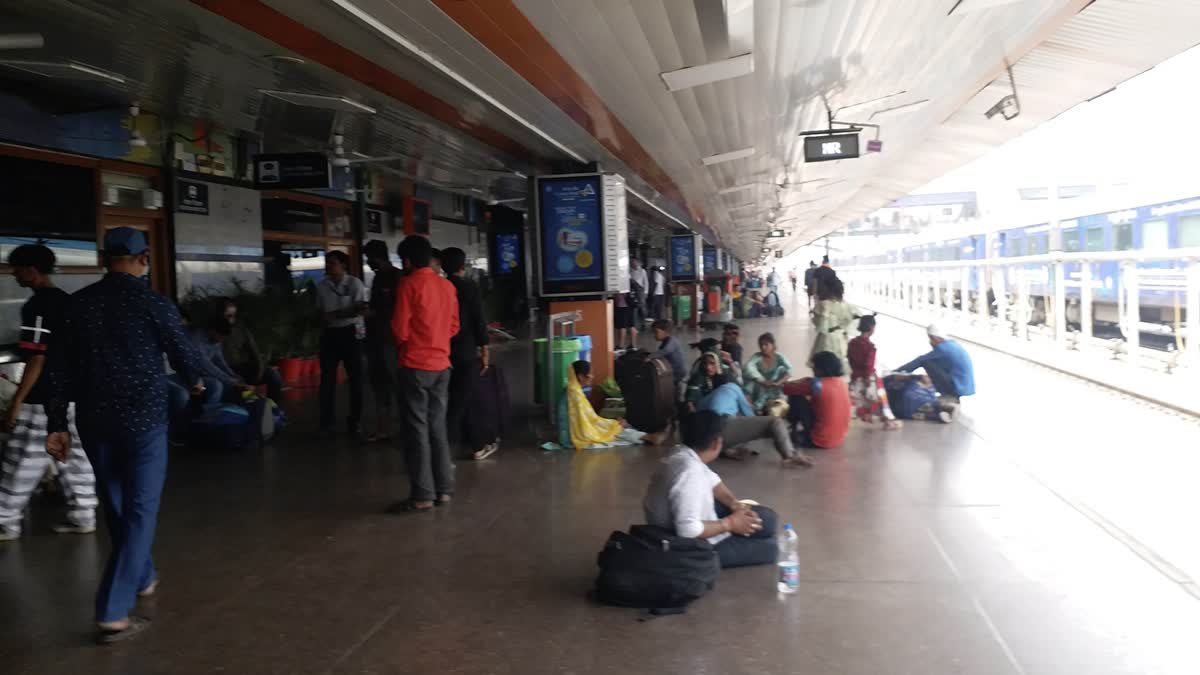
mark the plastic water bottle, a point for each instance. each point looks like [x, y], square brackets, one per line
[788, 561]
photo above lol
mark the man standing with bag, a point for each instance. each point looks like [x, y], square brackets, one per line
[426, 318]
[114, 335]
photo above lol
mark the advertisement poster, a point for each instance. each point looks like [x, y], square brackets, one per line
[710, 259]
[508, 253]
[683, 258]
[572, 242]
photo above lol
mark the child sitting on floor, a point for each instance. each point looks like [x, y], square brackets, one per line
[581, 428]
[866, 388]
[820, 405]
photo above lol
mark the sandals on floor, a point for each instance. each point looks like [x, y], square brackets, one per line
[108, 636]
[409, 506]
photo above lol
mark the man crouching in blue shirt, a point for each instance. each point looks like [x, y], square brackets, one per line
[114, 335]
[948, 366]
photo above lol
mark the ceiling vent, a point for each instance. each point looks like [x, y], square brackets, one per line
[338, 103]
[64, 70]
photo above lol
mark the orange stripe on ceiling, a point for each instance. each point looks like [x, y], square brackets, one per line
[508, 34]
[291, 34]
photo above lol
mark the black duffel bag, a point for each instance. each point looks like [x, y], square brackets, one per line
[651, 568]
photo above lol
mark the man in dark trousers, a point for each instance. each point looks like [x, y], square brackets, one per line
[425, 320]
[114, 335]
[381, 345]
[468, 349]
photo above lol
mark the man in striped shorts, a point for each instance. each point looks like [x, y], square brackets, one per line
[25, 458]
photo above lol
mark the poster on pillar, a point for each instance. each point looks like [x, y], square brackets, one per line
[686, 262]
[583, 234]
[710, 258]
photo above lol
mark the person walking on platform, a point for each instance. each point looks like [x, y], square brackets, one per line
[382, 364]
[468, 349]
[342, 301]
[832, 320]
[658, 306]
[948, 366]
[109, 360]
[25, 460]
[425, 320]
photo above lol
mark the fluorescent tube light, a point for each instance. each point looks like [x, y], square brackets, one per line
[864, 104]
[686, 78]
[728, 156]
[903, 108]
[735, 189]
[967, 6]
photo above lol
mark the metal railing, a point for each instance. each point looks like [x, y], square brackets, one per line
[997, 294]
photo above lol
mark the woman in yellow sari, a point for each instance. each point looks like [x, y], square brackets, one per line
[587, 430]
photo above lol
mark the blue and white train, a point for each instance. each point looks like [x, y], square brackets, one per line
[1091, 226]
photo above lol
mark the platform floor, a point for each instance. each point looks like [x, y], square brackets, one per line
[983, 547]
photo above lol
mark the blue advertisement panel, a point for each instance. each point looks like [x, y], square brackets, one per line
[710, 259]
[683, 258]
[570, 220]
[508, 253]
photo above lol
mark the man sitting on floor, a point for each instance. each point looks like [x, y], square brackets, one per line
[743, 426]
[687, 497]
[948, 366]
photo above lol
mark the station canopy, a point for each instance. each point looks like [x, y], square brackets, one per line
[700, 104]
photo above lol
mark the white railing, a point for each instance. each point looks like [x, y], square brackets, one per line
[927, 291]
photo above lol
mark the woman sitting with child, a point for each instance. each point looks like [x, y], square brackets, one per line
[584, 429]
[766, 373]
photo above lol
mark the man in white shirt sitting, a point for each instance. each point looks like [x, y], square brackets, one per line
[689, 498]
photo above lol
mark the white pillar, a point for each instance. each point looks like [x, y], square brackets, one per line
[964, 283]
[982, 306]
[1085, 301]
[1021, 305]
[1131, 321]
[1193, 312]
[1059, 302]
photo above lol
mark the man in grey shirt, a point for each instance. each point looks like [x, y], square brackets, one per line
[687, 497]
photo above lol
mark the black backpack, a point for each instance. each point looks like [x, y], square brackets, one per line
[652, 569]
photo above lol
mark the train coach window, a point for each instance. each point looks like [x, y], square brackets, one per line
[1155, 235]
[1070, 241]
[1189, 232]
[1095, 239]
[1123, 234]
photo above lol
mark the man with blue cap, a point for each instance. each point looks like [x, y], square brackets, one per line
[114, 335]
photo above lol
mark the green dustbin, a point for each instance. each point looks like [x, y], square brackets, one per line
[683, 308]
[566, 352]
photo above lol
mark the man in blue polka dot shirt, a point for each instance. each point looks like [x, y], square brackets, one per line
[110, 364]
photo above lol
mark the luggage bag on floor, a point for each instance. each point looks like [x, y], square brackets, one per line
[648, 386]
[487, 409]
[235, 427]
[650, 568]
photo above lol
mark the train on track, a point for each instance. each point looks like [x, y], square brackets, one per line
[1086, 225]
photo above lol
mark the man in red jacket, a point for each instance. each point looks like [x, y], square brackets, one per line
[426, 318]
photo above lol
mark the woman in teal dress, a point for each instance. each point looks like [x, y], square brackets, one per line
[766, 373]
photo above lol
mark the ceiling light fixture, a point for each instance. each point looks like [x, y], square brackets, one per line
[903, 108]
[67, 70]
[686, 78]
[736, 189]
[22, 41]
[728, 156]
[967, 6]
[864, 104]
[322, 101]
[425, 56]
[284, 58]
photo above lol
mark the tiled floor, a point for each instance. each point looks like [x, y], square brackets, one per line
[974, 548]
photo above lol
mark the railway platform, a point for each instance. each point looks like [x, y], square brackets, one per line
[1047, 531]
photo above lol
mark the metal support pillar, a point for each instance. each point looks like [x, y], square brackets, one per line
[982, 305]
[964, 284]
[1085, 301]
[1131, 319]
[1022, 309]
[1192, 308]
[1059, 302]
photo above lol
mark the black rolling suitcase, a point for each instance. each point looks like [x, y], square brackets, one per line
[648, 386]
[488, 409]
